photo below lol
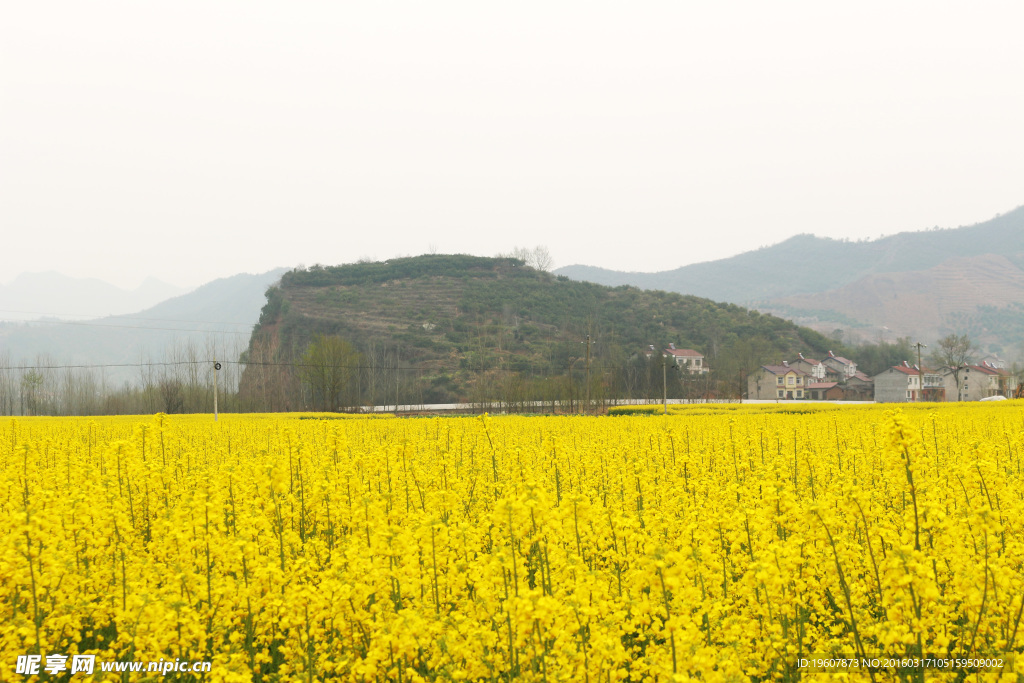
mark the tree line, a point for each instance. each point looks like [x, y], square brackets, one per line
[181, 379]
[333, 374]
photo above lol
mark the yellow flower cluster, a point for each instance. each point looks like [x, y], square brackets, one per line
[724, 547]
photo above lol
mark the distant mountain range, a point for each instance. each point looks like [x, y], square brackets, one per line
[918, 284]
[31, 296]
[221, 312]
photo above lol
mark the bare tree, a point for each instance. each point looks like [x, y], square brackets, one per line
[170, 394]
[542, 258]
[955, 352]
[263, 385]
[8, 385]
[328, 367]
[539, 257]
[31, 388]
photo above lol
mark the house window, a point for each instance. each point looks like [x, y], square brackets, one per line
[778, 380]
[799, 393]
[908, 394]
[780, 393]
[789, 380]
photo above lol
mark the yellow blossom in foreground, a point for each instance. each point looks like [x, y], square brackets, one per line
[711, 544]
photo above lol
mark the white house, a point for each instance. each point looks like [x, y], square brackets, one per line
[844, 367]
[812, 367]
[692, 360]
[977, 382]
[902, 384]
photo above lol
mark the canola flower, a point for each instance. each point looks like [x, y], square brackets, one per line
[710, 544]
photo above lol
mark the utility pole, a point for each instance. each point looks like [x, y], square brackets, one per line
[571, 392]
[664, 383]
[588, 343]
[588, 373]
[216, 367]
[920, 370]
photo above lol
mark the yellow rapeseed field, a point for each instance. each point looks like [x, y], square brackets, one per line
[720, 544]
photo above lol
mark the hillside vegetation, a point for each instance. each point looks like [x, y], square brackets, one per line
[922, 284]
[440, 328]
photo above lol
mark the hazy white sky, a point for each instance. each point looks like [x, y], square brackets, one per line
[193, 140]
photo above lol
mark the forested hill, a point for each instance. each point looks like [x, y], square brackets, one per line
[460, 325]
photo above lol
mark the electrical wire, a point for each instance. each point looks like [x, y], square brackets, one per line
[127, 316]
[593, 368]
[133, 327]
[87, 317]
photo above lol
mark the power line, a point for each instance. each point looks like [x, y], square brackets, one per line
[97, 366]
[132, 327]
[127, 316]
[68, 315]
[106, 365]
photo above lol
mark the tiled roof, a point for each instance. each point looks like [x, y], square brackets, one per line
[782, 369]
[912, 370]
[988, 370]
[822, 385]
[684, 352]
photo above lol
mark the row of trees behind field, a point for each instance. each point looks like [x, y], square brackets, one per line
[179, 379]
[334, 375]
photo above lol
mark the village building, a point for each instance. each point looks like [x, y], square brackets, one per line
[835, 378]
[903, 384]
[844, 368]
[812, 367]
[833, 375]
[859, 387]
[779, 382]
[688, 359]
[825, 391]
[977, 382]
